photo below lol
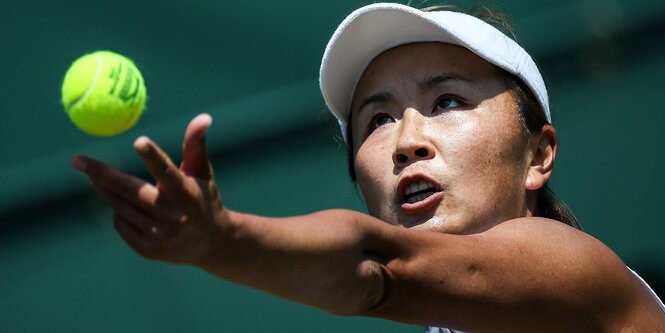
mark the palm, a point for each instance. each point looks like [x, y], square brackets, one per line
[166, 221]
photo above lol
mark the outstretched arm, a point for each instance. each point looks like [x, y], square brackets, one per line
[525, 274]
[319, 259]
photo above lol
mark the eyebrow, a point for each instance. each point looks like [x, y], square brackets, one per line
[381, 96]
[432, 81]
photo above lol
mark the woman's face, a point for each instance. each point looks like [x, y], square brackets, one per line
[437, 140]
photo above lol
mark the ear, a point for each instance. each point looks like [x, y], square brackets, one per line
[543, 153]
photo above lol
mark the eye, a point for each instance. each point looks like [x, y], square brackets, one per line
[380, 120]
[449, 102]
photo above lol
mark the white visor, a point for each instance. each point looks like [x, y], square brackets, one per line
[373, 29]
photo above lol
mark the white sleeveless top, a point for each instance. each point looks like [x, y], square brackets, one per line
[653, 294]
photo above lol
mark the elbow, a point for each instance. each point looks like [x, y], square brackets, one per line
[361, 280]
[371, 292]
[377, 292]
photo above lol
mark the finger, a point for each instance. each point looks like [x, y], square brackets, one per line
[138, 218]
[132, 236]
[195, 153]
[159, 164]
[130, 188]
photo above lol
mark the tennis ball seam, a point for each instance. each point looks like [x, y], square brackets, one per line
[98, 74]
[103, 93]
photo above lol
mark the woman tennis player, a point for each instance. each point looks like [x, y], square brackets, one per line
[450, 136]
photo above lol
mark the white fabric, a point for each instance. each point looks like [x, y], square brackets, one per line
[373, 29]
[441, 330]
[653, 294]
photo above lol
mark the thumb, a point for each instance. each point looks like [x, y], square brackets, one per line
[194, 151]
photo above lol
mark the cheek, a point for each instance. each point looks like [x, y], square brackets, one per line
[488, 159]
[373, 157]
[373, 168]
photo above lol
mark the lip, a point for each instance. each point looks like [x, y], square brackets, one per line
[420, 206]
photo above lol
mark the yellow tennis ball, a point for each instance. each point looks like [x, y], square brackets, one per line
[103, 93]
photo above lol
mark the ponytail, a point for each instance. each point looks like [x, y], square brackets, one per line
[550, 206]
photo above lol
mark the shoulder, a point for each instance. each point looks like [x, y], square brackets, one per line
[568, 249]
[579, 271]
[554, 239]
[569, 257]
[527, 273]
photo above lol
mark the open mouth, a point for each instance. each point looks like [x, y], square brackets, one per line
[418, 191]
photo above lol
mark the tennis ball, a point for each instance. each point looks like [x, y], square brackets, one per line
[103, 93]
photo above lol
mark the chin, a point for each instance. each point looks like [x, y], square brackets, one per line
[429, 223]
[441, 224]
[430, 227]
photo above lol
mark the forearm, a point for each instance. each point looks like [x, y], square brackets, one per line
[324, 259]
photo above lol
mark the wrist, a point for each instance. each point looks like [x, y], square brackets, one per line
[218, 245]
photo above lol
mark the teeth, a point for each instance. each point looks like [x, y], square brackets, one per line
[413, 188]
[419, 185]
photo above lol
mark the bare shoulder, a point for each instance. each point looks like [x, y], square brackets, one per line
[526, 274]
[585, 272]
[556, 241]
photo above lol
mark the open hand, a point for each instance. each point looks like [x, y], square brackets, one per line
[175, 219]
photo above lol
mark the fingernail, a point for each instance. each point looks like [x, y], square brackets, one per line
[79, 164]
[142, 144]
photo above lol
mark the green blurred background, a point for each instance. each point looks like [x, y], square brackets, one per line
[253, 65]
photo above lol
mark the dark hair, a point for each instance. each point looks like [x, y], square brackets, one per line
[530, 113]
[532, 118]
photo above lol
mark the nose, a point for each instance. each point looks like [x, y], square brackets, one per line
[413, 144]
